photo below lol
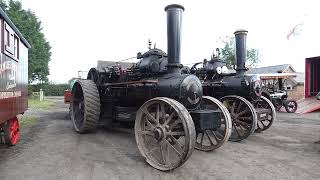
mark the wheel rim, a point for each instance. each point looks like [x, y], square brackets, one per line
[265, 124]
[210, 139]
[78, 106]
[243, 116]
[164, 133]
[14, 131]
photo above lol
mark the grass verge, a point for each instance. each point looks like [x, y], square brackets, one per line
[37, 104]
[25, 120]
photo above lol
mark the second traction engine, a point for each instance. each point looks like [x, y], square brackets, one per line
[170, 114]
[239, 92]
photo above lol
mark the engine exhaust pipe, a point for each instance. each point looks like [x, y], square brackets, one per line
[174, 19]
[241, 51]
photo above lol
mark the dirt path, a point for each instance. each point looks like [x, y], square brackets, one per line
[50, 149]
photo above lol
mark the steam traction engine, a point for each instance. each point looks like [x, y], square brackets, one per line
[240, 93]
[171, 115]
[13, 79]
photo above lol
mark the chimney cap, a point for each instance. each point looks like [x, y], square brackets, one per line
[240, 31]
[174, 6]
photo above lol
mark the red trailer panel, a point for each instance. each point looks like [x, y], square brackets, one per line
[13, 79]
[312, 76]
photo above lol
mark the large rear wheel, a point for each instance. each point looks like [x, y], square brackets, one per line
[243, 116]
[210, 139]
[85, 106]
[164, 133]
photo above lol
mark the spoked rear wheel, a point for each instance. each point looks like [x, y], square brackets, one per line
[11, 131]
[291, 106]
[243, 116]
[210, 139]
[164, 133]
[85, 106]
[265, 124]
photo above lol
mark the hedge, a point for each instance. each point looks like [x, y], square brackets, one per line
[49, 89]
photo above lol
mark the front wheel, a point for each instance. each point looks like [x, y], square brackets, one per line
[211, 139]
[11, 131]
[243, 116]
[165, 133]
[291, 106]
[265, 103]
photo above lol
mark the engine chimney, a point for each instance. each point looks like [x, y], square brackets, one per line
[241, 51]
[174, 19]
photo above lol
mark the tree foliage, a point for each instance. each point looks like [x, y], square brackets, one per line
[30, 26]
[228, 53]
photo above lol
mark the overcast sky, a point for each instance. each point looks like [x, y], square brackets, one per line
[82, 32]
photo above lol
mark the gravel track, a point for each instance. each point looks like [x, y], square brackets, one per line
[50, 149]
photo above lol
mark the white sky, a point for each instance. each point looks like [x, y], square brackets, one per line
[82, 32]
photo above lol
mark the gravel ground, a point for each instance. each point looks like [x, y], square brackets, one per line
[50, 149]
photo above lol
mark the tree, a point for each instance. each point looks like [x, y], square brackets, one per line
[228, 53]
[30, 26]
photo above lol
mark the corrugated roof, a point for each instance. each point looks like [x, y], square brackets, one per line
[269, 69]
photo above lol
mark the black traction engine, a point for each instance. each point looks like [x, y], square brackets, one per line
[239, 92]
[170, 114]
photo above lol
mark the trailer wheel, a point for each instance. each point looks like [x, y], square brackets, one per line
[209, 140]
[243, 116]
[165, 133]
[291, 106]
[266, 104]
[11, 131]
[85, 106]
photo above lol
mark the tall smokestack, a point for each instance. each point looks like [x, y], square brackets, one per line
[241, 51]
[174, 19]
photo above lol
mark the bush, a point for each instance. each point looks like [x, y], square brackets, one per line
[49, 89]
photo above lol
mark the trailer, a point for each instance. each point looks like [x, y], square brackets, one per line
[13, 79]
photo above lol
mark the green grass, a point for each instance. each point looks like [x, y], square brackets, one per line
[35, 103]
[25, 120]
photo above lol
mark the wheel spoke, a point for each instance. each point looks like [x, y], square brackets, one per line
[150, 117]
[163, 112]
[215, 136]
[158, 113]
[176, 141]
[209, 137]
[172, 147]
[202, 138]
[162, 149]
[243, 112]
[232, 107]
[167, 121]
[149, 133]
[174, 124]
[177, 133]
[239, 107]
[235, 128]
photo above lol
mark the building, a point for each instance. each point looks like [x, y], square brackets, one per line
[294, 86]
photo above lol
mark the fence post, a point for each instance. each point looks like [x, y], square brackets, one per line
[41, 95]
